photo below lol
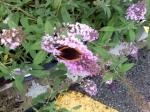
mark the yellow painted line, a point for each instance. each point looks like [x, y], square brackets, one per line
[77, 102]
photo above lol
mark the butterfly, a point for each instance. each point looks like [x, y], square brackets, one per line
[68, 53]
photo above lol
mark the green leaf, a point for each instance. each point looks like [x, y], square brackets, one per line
[36, 46]
[131, 35]
[118, 8]
[33, 54]
[108, 28]
[63, 110]
[4, 69]
[102, 52]
[89, 12]
[40, 98]
[108, 12]
[148, 8]
[56, 4]
[24, 22]
[77, 107]
[39, 73]
[3, 11]
[58, 73]
[19, 82]
[48, 27]
[13, 20]
[104, 5]
[40, 21]
[3, 26]
[11, 24]
[48, 2]
[35, 28]
[25, 1]
[107, 35]
[61, 66]
[65, 15]
[33, 66]
[125, 67]
[40, 56]
[108, 76]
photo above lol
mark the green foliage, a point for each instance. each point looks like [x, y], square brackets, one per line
[125, 67]
[148, 8]
[18, 82]
[39, 57]
[131, 35]
[38, 17]
[3, 69]
[77, 107]
[39, 73]
[118, 68]
[48, 27]
[108, 76]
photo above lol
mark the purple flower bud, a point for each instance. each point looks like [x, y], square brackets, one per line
[83, 30]
[89, 86]
[12, 38]
[125, 49]
[137, 11]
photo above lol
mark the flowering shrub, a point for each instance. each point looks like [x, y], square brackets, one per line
[59, 39]
[82, 65]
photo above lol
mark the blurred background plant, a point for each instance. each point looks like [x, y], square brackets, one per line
[38, 17]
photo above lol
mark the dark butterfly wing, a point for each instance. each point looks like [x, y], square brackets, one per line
[68, 53]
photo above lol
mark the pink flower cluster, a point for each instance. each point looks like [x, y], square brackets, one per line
[89, 86]
[87, 64]
[137, 11]
[125, 49]
[83, 30]
[48, 44]
[11, 38]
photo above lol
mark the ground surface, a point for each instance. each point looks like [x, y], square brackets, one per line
[122, 97]
[13, 101]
